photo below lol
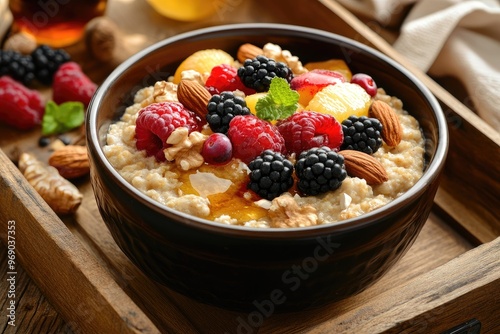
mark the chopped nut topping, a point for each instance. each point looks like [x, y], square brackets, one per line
[186, 148]
[192, 75]
[163, 92]
[263, 203]
[345, 201]
[275, 52]
[285, 212]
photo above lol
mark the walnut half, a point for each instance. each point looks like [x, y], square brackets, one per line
[286, 212]
[275, 52]
[163, 91]
[186, 148]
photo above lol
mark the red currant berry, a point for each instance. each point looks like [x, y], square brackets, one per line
[217, 149]
[365, 81]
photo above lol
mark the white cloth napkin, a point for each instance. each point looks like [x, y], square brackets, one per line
[5, 18]
[459, 38]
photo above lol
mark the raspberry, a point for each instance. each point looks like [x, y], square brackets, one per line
[251, 136]
[270, 175]
[258, 72]
[362, 134]
[307, 129]
[222, 108]
[225, 77]
[17, 66]
[319, 170]
[20, 107]
[47, 61]
[71, 84]
[157, 121]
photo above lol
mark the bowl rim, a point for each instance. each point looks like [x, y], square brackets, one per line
[432, 171]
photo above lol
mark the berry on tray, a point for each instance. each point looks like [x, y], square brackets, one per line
[309, 83]
[341, 101]
[41, 64]
[222, 108]
[20, 107]
[17, 66]
[362, 134]
[307, 129]
[258, 72]
[71, 84]
[251, 136]
[225, 77]
[157, 121]
[47, 61]
[271, 174]
[319, 170]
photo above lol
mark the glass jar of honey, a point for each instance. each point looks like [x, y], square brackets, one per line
[57, 23]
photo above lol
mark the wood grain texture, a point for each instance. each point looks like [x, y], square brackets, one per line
[466, 286]
[34, 314]
[58, 260]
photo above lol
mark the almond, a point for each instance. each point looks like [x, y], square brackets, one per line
[71, 161]
[248, 51]
[194, 96]
[391, 128]
[364, 166]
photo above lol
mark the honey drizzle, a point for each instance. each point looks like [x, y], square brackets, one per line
[237, 202]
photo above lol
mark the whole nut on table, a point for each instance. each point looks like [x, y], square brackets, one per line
[71, 161]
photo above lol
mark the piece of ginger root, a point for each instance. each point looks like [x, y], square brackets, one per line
[60, 194]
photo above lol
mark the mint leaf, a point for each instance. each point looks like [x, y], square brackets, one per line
[280, 102]
[62, 118]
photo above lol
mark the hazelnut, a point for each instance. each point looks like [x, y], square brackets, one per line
[21, 42]
[101, 38]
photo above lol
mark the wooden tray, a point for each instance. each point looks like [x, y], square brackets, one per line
[449, 276]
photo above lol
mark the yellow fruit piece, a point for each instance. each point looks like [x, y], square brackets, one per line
[203, 61]
[252, 99]
[185, 10]
[341, 101]
[338, 65]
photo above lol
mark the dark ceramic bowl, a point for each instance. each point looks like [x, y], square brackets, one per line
[239, 267]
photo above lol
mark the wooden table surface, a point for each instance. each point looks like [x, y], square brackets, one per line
[141, 26]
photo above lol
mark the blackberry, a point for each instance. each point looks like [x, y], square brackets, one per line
[270, 174]
[17, 66]
[222, 108]
[362, 134]
[47, 62]
[43, 141]
[258, 72]
[319, 170]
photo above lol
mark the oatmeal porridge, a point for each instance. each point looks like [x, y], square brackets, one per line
[275, 153]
